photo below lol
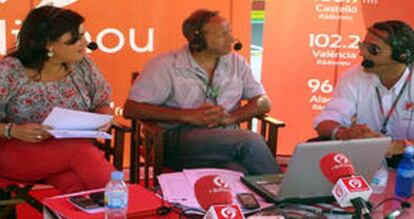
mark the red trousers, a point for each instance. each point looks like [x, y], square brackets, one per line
[68, 164]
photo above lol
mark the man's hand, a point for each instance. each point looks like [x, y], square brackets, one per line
[227, 119]
[357, 131]
[396, 148]
[30, 132]
[207, 115]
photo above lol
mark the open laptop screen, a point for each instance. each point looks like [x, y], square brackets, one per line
[304, 179]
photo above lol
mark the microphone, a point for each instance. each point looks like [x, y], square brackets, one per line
[214, 194]
[92, 45]
[212, 190]
[335, 166]
[238, 45]
[367, 63]
[349, 190]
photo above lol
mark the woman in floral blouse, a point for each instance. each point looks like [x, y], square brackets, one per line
[47, 69]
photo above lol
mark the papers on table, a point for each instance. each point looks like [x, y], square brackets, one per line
[68, 123]
[178, 187]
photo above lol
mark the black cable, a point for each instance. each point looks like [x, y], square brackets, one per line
[362, 208]
[163, 209]
[411, 68]
[184, 212]
[79, 91]
[92, 87]
[387, 200]
[394, 213]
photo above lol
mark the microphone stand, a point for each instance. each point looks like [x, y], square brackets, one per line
[362, 209]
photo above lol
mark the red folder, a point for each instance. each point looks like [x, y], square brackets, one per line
[141, 203]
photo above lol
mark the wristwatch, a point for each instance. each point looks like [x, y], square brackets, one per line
[335, 132]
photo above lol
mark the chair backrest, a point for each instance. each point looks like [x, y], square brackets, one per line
[268, 127]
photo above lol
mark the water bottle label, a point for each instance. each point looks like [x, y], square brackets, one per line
[406, 173]
[375, 181]
[116, 200]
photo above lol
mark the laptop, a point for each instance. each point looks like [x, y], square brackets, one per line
[305, 183]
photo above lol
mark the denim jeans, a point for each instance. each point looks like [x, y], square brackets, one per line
[230, 148]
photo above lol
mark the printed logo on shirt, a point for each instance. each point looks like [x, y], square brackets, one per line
[409, 106]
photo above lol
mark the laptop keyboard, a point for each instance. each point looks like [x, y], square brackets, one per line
[271, 188]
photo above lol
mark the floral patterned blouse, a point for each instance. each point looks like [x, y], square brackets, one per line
[23, 100]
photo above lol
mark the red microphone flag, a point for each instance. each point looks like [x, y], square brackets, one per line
[212, 190]
[335, 166]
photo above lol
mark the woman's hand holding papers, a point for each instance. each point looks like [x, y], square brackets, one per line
[30, 132]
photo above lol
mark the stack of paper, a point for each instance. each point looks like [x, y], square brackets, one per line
[178, 188]
[68, 123]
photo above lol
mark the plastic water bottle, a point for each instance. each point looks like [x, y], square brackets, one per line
[379, 182]
[405, 174]
[116, 197]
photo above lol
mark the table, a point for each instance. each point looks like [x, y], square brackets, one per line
[141, 199]
[142, 204]
[391, 205]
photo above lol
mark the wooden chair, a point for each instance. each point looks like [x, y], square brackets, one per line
[151, 139]
[14, 192]
[114, 149]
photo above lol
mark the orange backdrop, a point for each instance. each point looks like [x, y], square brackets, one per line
[129, 32]
[307, 44]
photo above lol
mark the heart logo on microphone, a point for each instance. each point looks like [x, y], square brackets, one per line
[228, 212]
[340, 159]
[355, 183]
[219, 182]
[339, 192]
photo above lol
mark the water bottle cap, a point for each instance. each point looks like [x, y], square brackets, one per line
[117, 175]
[409, 150]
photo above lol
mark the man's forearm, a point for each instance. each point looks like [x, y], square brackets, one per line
[143, 111]
[106, 109]
[326, 128]
[256, 106]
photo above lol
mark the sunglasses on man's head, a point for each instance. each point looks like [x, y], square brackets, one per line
[370, 47]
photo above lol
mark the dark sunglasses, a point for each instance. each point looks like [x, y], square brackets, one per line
[371, 48]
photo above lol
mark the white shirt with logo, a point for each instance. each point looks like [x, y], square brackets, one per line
[355, 97]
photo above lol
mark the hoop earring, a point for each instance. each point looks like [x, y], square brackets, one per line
[50, 53]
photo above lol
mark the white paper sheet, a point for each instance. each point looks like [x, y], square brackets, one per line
[79, 134]
[179, 187]
[176, 189]
[68, 123]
